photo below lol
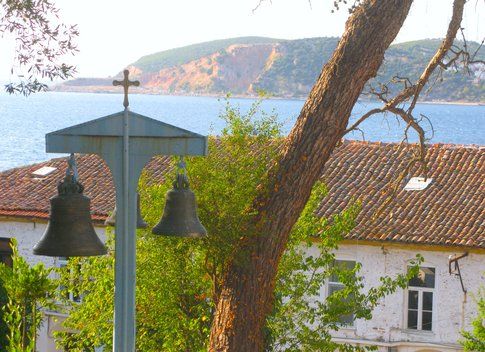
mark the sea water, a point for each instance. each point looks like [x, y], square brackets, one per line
[25, 121]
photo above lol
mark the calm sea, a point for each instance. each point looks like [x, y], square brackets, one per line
[25, 121]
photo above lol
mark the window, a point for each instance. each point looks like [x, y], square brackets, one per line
[417, 183]
[335, 285]
[69, 295]
[420, 300]
[44, 171]
[5, 251]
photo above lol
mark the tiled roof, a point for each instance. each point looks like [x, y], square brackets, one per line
[25, 195]
[449, 212]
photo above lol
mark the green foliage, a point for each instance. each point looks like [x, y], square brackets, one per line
[92, 278]
[28, 289]
[474, 340]
[227, 179]
[178, 280]
[3, 324]
[42, 42]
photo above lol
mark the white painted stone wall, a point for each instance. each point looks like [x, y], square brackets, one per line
[27, 235]
[452, 311]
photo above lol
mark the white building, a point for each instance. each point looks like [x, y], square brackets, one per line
[441, 217]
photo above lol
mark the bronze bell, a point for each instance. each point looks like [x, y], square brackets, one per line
[180, 214]
[140, 223]
[70, 232]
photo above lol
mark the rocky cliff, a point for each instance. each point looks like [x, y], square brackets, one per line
[283, 68]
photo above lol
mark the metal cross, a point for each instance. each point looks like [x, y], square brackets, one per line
[126, 83]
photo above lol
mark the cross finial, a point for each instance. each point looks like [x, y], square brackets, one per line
[126, 83]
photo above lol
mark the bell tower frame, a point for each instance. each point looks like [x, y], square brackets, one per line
[126, 141]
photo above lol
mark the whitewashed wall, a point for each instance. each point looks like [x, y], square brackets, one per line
[27, 235]
[453, 310]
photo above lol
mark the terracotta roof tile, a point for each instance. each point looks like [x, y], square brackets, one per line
[25, 195]
[450, 211]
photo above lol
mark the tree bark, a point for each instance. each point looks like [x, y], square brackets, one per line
[247, 288]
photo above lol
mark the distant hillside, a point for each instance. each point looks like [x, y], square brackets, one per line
[179, 56]
[283, 68]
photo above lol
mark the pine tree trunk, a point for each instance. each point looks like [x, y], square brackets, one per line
[247, 288]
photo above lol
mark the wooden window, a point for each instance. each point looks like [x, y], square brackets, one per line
[335, 285]
[5, 251]
[419, 299]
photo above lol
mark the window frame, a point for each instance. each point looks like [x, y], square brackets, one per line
[6, 251]
[421, 290]
[330, 283]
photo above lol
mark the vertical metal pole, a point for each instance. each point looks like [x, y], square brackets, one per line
[124, 320]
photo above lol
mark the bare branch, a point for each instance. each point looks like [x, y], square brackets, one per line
[453, 27]
[363, 118]
[258, 5]
[472, 58]
[413, 91]
[410, 93]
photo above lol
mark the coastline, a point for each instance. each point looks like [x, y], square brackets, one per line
[466, 103]
[112, 90]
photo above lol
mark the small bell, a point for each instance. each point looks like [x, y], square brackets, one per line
[140, 223]
[70, 232]
[180, 214]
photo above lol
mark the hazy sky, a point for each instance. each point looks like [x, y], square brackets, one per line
[115, 33]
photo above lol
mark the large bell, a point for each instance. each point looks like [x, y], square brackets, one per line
[140, 223]
[70, 232]
[180, 214]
